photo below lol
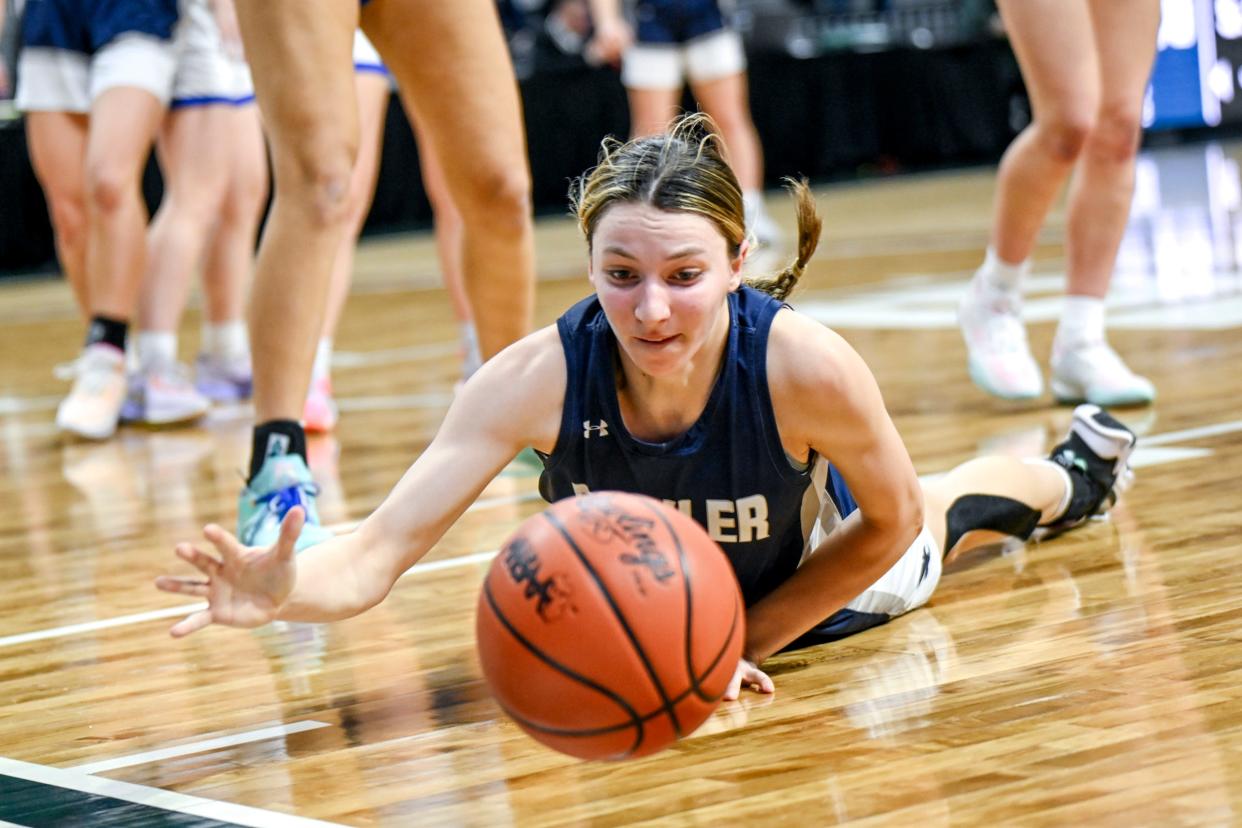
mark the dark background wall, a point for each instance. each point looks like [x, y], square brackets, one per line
[829, 117]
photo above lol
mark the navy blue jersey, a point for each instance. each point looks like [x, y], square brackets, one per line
[667, 22]
[729, 471]
[87, 26]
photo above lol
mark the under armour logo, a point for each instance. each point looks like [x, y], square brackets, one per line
[587, 428]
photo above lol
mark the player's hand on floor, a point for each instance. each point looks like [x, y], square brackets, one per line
[245, 586]
[748, 675]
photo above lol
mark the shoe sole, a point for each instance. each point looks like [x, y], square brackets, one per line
[85, 434]
[976, 376]
[1069, 395]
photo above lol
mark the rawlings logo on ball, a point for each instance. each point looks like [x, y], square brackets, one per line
[523, 566]
[606, 522]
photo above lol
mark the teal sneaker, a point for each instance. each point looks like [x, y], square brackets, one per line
[283, 482]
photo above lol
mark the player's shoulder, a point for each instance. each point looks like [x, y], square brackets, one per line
[536, 357]
[805, 355]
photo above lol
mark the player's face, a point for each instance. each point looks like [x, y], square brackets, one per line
[662, 278]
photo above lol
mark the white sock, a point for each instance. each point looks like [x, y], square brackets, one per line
[157, 350]
[323, 358]
[1082, 322]
[1002, 276]
[227, 340]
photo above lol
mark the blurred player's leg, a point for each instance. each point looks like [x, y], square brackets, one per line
[222, 370]
[1084, 366]
[717, 70]
[320, 412]
[453, 70]
[123, 122]
[450, 231]
[193, 149]
[299, 55]
[1052, 41]
[57, 142]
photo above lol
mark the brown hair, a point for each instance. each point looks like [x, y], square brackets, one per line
[684, 170]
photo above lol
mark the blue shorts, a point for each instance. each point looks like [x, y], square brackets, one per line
[86, 26]
[671, 22]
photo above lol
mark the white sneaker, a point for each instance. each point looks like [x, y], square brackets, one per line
[1000, 357]
[94, 403]
[165, 395]
[1094, 373]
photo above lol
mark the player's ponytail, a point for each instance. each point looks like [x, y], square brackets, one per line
[809, 227]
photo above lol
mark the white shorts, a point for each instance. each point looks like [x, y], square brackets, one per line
[366, 58]
[206, 73]
[715, 55]
[908, 584]
[59, 80]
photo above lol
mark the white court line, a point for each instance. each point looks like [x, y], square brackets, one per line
[154, 797]
[1192, 433]
[190, 748]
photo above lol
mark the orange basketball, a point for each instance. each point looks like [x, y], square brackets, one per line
[609, 626]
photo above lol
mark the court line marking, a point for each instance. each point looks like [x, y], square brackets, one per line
[1217, 429]
[154, 797]
[201, 746]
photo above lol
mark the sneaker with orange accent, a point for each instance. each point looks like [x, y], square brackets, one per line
[320, 413]
[93, 406]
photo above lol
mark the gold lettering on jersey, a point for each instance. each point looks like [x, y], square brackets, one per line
[727, 521]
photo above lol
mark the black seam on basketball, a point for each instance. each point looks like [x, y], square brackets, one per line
[651, 673]
[594, 731]
[636, 721]
[723, 649]
[688, 626]
[695, 681]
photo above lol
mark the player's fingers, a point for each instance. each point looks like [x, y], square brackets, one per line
[197, 558]
[734, 689]
[228, 546]
[290, 528]
[193, 622]
[761, 682]
[184, 586]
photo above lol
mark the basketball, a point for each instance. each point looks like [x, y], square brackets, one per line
[609, 626]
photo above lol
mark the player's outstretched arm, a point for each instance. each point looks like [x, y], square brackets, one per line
[513, 401]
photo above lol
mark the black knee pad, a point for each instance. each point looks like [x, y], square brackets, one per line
[992, 512]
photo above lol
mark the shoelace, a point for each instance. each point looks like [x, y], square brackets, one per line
[277, 503]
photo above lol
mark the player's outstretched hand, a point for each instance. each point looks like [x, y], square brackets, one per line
[748, 675]
[245, 586]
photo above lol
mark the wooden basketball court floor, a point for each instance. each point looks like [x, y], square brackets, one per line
[1093, 679]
